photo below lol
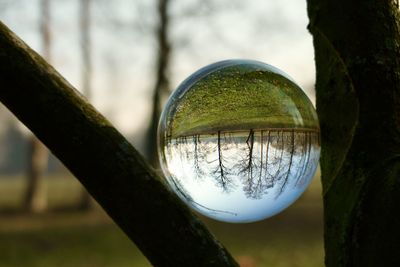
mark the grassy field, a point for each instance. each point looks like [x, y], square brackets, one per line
[66, 237]
[238, 98]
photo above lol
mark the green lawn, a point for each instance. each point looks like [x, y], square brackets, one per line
[238, 98]
[64, 237]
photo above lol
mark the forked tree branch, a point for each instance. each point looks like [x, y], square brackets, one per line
[100, 157]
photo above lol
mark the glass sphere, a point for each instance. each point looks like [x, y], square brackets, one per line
[239, 141]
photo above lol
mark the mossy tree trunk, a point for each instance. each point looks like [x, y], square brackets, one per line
[101, 158]
[357, 53]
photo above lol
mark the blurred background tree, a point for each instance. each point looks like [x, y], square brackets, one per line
[36, 193]
[86, 201]
[162, 83]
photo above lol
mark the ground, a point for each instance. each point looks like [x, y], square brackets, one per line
[66, 237]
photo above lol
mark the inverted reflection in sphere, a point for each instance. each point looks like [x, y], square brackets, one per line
[239, 141]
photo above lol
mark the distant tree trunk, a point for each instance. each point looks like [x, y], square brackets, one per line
[86, 46]
[36, 193]
[357, 55]
[86, 201]
[162, 81]
[104, 161]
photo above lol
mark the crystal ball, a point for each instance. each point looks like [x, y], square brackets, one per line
[239, 141]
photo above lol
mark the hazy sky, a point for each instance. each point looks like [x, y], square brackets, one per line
[203, 32]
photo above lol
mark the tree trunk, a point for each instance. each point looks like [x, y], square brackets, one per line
[36, 194]
[86, 43]
[357, 55]
[101, 158]
[162, 82]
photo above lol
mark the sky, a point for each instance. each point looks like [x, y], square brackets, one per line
[202, 32]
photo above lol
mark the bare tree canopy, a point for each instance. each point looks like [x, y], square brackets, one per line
[100, 157]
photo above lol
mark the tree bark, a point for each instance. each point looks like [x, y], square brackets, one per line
[357, 53]
[36, 193]
[101, 158]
